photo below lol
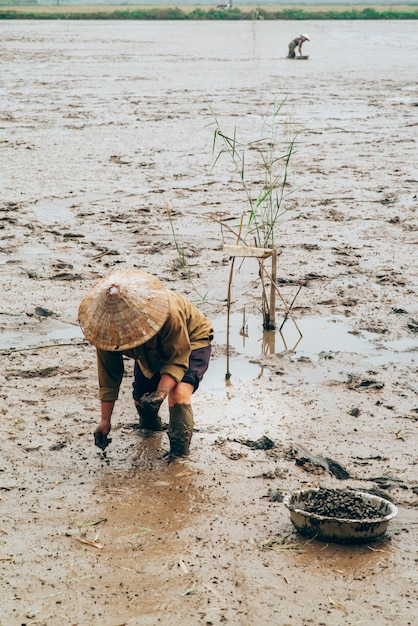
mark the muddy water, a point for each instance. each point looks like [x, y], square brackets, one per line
[102, 124]
[314, 338]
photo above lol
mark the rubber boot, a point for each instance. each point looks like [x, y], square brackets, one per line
[149, 419]
[180, 429]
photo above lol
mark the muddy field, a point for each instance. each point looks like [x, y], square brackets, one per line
[102, 126]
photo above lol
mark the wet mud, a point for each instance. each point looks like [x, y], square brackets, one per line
[338, 504]
[105, 124]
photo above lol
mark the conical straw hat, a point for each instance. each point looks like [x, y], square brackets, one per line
[123, 310]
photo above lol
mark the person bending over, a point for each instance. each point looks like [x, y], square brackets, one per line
[130, 313]
[297, 43]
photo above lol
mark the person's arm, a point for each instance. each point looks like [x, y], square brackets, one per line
[101, 438]
[152, 401]
[300, 46]
[166, 384]
[107, 410]
[175, 344]
[110, 372]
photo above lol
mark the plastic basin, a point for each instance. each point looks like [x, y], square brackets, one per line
[335, 529]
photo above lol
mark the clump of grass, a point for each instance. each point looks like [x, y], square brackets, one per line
[267, 201]
[180, 263]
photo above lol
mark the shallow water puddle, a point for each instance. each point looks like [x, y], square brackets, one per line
[320, 335]
[27, 338]
[54, 210]
[24, 253]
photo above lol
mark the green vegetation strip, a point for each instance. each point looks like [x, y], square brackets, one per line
[175, 13]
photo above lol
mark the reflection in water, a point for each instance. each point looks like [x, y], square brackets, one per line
[319, 335]
[59, 332]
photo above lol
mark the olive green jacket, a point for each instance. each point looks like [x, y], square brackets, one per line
[185, 329]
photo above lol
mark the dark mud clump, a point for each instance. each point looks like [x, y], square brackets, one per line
[264, 443]
[338, 503]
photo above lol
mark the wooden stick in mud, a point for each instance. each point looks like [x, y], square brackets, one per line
[272, 309]
[281, 298]
[260, 254]
[49, 345]
[291, 304]
[228, 316]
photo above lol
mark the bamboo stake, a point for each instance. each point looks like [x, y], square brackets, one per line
[291, 304]
[282, 299]
[272, 309]
[263, 270]
[228, 313]
[228, 317]
[42, 347]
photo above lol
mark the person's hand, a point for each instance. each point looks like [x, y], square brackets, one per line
[151, 402]
[101, 438]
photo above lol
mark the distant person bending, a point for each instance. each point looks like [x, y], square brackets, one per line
[297, 43]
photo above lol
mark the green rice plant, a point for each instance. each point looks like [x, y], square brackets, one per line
[180, 263]
[266, 198]
[266, 203]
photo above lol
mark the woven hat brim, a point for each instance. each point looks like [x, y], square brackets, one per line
[123, 310]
